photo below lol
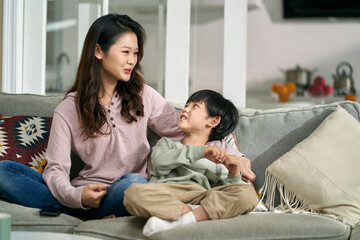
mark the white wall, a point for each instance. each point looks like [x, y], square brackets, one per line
[273, 43]
[311, 43]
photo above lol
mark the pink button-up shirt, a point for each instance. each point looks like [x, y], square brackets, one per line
[106, 157]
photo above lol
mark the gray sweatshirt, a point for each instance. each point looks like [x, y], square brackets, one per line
[175, 162]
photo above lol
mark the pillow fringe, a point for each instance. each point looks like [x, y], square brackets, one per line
[289, 201]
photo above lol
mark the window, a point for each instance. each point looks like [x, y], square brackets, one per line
[66, 27]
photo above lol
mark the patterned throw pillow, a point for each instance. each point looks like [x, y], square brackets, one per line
[24, 139]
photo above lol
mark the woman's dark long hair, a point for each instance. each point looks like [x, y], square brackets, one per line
[105, 31]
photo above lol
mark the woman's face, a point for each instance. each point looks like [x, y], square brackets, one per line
[120, 60]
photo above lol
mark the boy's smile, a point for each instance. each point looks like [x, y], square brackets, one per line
[183, 117]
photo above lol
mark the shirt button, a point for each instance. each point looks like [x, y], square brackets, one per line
[112, 103]
[114, 126]
[109, 111]
[111, 118]
[116, 95]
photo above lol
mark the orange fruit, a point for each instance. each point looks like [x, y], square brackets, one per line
[291, 87]
[283, 90]
[283, 97]
[283, 93]
[275, 87]
[350, 97]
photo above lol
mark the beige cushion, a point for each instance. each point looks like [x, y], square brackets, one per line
[321, 173]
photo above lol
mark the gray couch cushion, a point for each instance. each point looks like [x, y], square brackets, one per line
[265, 135]
[252, 226]
[29, 104]
[29, 219]
[115, 228]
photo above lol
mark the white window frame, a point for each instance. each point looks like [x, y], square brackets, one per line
[24, 45]
[12, 46]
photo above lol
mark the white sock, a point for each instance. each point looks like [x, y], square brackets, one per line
[260, 207]
[194, 206]
[155, 224]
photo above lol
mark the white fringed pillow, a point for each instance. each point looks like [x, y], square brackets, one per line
[321, 173]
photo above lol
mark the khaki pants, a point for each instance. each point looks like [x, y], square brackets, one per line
[166, 200]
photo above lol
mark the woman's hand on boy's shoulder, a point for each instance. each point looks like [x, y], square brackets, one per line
[247, 174]
[240, 165]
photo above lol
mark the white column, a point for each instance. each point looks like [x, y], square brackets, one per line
[24, 45]
[34, 46]
[177, 50]
[105, 7]
[161, 49]
[235, 31]
[87, 14]
[12, 46]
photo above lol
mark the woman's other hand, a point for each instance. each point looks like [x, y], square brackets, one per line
[92, 195]
[240, 165]
[245, 167]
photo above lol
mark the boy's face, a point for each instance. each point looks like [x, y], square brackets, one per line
[194, 117]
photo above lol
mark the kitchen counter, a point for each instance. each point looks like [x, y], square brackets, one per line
[268, 100]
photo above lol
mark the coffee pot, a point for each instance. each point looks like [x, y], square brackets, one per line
[343, 80]
[300, 76]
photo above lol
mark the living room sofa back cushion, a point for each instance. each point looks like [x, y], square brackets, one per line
[265, 135]
[29, 104]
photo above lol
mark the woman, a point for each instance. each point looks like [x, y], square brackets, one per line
[103, 119]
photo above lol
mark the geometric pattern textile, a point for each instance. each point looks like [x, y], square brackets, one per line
[24, 139]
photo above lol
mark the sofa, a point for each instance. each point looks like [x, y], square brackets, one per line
[262, 135]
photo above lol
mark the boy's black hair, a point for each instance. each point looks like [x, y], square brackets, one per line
[217, 105]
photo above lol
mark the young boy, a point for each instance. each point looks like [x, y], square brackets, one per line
[201, 169]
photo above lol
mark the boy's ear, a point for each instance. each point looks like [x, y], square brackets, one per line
[98, 52]
[214, 121]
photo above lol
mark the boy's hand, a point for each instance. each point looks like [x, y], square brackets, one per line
[214, 153]
[235, 164]
[92, 195]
